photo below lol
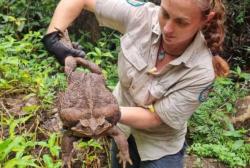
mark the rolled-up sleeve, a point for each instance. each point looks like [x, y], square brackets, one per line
[177, 107]
[116, 14]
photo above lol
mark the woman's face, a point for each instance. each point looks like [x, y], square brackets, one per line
[179, 21]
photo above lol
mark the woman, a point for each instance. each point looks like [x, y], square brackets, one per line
[169, 56]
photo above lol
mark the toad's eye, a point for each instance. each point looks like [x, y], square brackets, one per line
[109, 119]
[84, 123]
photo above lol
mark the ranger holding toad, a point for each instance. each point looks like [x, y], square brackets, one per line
[168, 58]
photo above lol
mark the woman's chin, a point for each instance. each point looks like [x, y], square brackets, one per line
[169, 41]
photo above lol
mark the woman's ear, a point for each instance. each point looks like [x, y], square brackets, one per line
[210, 16]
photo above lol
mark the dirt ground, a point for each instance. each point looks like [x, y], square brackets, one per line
[192, 161]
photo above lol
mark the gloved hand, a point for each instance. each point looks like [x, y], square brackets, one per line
[54, 46]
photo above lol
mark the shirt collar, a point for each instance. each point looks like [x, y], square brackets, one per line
[187, 57]
[156, 31]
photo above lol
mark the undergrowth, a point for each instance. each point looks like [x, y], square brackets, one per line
[27, 71]
[210, 129]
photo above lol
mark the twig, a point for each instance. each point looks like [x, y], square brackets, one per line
[5, 109]
[2, 130]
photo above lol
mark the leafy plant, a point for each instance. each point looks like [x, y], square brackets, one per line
[91, 143]
[237, 36]
[104, 53]
[223, 152]
[23, 70]
[210, 129]
[19, 17]
[49, 163]
[89, 151]
[52, 145]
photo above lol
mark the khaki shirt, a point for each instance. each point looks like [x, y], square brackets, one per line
[177, 86]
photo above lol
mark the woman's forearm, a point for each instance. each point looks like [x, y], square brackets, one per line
[138, 117]
[67, 11]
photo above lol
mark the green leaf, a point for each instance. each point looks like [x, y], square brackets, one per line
[229, 107]
[245, 76]
[238, 70]
[25, 161]
[48, 161]
[15, 122]
[98, 51]
[91, 53]
[107, 54]
[31, 109]
[52, 144]
[223, 81]
[238, 144]
[42, 143]
[234, 134]
[8, 145]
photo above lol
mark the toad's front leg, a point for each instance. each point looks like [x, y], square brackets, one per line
[122, 144]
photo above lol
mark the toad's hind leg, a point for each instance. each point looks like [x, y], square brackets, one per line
[122, 144]
[67, 149]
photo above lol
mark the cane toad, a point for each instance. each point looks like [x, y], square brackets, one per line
[88, 109]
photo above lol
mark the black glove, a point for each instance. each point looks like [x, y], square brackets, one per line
[54, 46]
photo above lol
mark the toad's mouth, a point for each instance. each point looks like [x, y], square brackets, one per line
[88, 131]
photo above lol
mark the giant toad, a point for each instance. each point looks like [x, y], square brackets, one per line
[88, 109]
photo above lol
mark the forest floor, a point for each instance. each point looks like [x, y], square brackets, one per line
[49, 122]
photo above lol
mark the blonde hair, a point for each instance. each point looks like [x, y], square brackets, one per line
[214, 33]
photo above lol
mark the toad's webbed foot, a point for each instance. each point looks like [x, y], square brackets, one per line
[122, 144]
[124, 158]
[67, 149]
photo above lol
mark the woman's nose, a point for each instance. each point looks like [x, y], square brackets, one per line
[168, 27]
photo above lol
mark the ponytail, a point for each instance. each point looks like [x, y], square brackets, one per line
[214, 35]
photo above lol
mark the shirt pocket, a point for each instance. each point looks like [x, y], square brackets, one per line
[139, 89]
[167, 83]
[132, 53]
[161, 87]
[130, 61]
[131, 69]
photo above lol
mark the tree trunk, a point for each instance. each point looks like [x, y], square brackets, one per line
[87, 22]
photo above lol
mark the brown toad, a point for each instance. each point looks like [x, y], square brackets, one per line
[88, 109]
